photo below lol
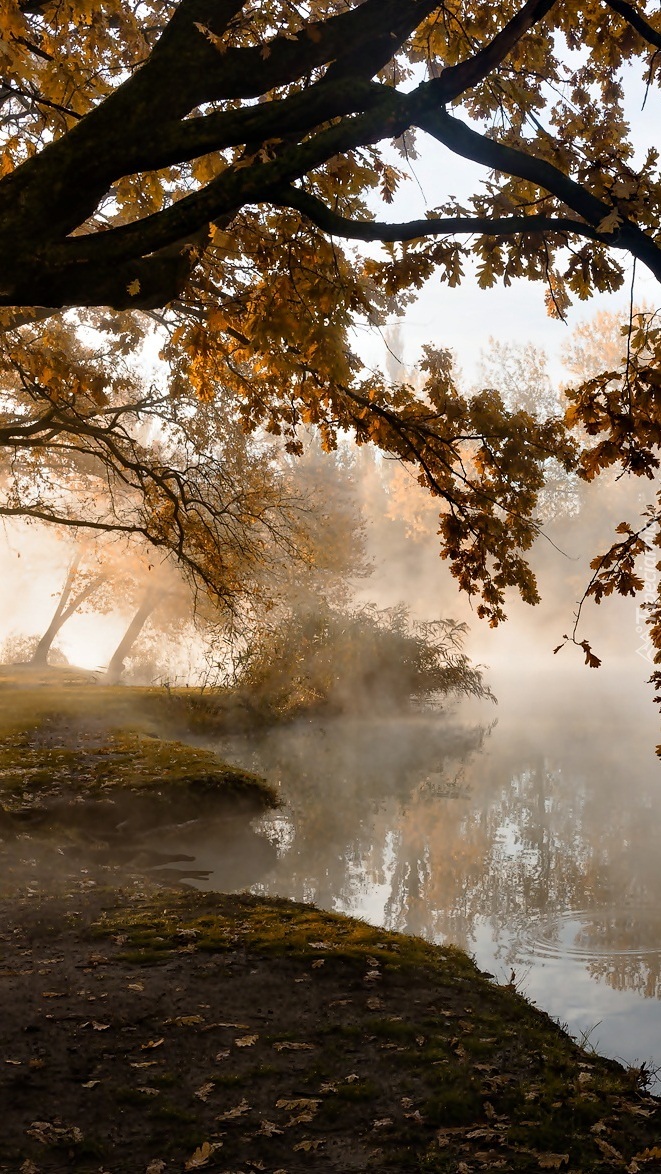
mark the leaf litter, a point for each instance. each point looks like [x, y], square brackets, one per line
[316, 1067]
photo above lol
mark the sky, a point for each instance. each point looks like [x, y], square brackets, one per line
[465, 318]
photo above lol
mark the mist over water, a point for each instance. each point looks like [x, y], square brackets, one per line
[527, 833]
[533, 843]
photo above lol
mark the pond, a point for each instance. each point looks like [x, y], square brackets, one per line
[533, 842]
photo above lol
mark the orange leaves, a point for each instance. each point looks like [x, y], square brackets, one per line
[202, 1155]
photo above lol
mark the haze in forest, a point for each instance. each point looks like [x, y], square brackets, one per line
[376, 546]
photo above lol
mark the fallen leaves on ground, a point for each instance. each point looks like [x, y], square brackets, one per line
[237, 1111]
[202, 1093]
[202, 1155]
[54, 1132]
[292, 1103]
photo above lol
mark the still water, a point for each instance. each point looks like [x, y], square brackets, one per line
[533, 843]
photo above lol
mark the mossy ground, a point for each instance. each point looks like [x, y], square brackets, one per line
[64, 740]
[150, 1030]
[250, 1035]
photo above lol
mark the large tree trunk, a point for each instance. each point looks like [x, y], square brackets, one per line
[65, 609]
[116, 666]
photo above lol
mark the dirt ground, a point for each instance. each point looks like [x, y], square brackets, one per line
[153, 1031]
[148, 1029]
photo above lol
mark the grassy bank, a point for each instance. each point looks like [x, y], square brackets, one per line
[64, 739]
[229, 1033]
[146, 1030]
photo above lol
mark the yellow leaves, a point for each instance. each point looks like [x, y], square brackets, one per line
[624, 188]
[309, 1146]
[133, 287]
[269, 1129]
[246, 1041]
[234, 1114]
[389, 179]
[8, 158]
[207, 168]
[202, 1093]
[651, 1154]
[294, 1103]
[54, 1133]
[202, 1155]
[610, 222]
[608, 1150]
[556, 297]
[217, 42]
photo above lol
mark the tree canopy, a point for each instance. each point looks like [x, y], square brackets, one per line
[208, 163]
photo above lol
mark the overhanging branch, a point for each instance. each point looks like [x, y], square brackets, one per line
[464, 141]
[378, 230]
[637, 22]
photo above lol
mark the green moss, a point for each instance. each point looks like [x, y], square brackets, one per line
[360, 1090]
[230, 1080]
[171, 1114]
[58, 744]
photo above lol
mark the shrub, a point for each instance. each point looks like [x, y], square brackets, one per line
[362, 658]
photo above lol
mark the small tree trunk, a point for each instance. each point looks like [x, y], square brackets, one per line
[116, 665]
[64, 609]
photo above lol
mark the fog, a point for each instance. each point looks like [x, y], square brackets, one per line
[526, 832]
[531, 842]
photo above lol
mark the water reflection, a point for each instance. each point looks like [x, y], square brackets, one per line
[534, 845]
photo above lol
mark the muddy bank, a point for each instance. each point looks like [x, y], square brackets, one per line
[175, 1032]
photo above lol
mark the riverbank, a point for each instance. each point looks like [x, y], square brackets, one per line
[153, 1031]
[76, 756]
[148, 1029]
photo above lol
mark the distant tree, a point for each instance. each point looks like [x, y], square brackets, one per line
[87, 444]
[78, 588]
[148, 604]
[355, 659]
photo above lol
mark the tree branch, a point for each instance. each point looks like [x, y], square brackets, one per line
[462, 140]
[378, 230]
[456, 79]
[637, 22]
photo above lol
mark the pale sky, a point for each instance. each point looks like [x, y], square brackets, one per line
[464, 318]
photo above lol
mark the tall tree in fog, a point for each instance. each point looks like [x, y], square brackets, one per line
[80, 586]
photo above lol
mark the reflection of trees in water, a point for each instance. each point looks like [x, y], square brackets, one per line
[629, 972]
[558, 814]
[346, 784]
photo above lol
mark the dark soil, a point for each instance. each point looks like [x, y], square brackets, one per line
[168, 1032]
[145, 1030]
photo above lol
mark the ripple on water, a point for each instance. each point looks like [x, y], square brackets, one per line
[587, 934]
